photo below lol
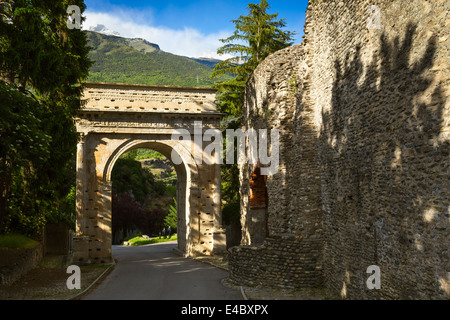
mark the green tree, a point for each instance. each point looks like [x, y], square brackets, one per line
[24, 149]
[256, 35]
[171, 219]
[128, 176]
[42, 66]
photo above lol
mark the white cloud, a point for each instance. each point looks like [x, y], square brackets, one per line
[188, 42]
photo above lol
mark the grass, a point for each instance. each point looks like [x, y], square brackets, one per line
[140, 241]
[16, 241]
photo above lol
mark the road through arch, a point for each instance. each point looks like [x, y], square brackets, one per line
[118, 118]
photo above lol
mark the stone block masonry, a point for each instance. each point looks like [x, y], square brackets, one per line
[364, 117]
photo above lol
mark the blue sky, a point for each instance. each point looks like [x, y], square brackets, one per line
[190, 28]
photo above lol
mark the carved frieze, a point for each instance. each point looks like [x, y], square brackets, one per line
[129, 97]
[110, 108]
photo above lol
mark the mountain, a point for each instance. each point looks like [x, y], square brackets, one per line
[100, 28]
[137, 61]
[209, 62]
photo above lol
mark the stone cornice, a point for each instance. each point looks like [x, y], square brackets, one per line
[145, 98]
[142, 109]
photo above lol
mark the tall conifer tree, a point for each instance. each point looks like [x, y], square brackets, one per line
[256, 35]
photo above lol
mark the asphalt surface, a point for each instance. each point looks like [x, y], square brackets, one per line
[155, 272]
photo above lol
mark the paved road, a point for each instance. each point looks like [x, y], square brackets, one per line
[154, 272]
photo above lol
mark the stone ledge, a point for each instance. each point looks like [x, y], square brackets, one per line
[18, 262]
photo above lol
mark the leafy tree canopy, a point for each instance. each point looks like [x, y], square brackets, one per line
[129, 177]
[42, 65]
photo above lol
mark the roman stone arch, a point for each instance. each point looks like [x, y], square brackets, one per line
[118, 118]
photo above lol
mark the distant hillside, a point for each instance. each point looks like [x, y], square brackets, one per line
[137, 61]
[210, 63]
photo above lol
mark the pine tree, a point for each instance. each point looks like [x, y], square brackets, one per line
[256, 36]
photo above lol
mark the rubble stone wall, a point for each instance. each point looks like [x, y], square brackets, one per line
[363, 112]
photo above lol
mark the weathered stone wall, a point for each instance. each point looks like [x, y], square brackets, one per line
[381, 102]
[15, 263]
[274, 101]
[362, 107]
[278, 262]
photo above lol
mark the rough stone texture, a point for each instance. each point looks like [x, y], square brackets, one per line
[15, 263]
[291, 253]
[118, 118]
[278, 262]
[363, 114]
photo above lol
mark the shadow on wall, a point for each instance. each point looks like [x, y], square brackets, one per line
[385, 162]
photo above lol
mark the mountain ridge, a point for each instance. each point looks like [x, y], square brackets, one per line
[138, 61]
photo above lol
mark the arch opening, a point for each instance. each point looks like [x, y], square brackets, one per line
[144, 196]
[183, 174]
